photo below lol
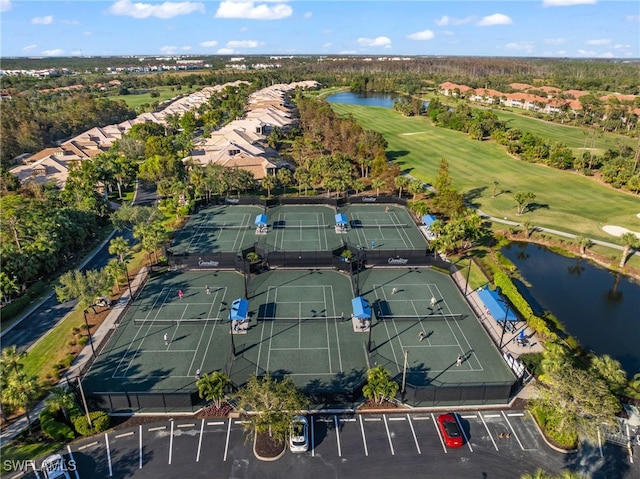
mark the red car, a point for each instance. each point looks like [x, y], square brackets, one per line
[450, 430]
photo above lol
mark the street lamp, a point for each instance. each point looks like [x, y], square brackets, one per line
[89, 333]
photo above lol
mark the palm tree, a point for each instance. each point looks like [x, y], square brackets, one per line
[609, 369]
[415, 187]
[380, 385]
[377, 183]
[61, 399]
[120, 247]
[10, 364]
[401, 183]
[630, 241]
[19, 390]
[269, 182]
[537, 474]
[303, 177]
[584, 243]
[211, 387]
[285, 178]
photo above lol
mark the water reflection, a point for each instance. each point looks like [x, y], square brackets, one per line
[598, 307]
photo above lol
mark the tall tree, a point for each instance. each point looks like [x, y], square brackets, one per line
[380, 385]
[212, 387]
[631, 241]
[20, 390]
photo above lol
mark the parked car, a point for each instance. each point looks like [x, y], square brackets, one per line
[450, 430]
[299, 436]
[54, 467]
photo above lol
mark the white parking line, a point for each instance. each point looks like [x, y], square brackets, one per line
[439, 434]
[463, 433]
[226, 445]
[71, 456]
[386, 426]
[421, 418]
[415, 438]
[171, 443]
[492, 415]
[200, 441]
[106, 440]
[185, 425]
[396, 419]
[242, 422]
[372, 419]
[364, 439]
[140, 447]
[335, 420]
[512, 431]
[313, 438]
[91, 444]
[350, 419]
[215, 423]
[118, 436]
[488, 432]
[159, 428]
[515, 414]
[472, 416]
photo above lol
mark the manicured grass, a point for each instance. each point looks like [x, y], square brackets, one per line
[166, 92]
[565, 200]
[14, 452]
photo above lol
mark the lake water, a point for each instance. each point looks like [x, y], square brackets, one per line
[385, 100]
[599, 308]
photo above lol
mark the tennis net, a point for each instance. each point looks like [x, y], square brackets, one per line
[176, 322]
[426, 317]
[295, 320]
[225, 227]
[380, 226]
[299, 227]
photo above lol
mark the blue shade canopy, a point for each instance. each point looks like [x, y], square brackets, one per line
[428, 219]
[261, 220]
[496, 305]
[361, 308]
[239, 310]
[341, 219]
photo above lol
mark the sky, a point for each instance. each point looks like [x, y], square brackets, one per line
[513, 28]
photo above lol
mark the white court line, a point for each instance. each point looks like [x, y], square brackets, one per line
[226, 444]
[140, 447]
[335, 325]
[91, 444]
[106, 439]
[71, 456]
[413, 431]
[324, 295]
[335, 420]
[512, 431]
[488, 432]
[364, 438]
[386, 426]
[118, 436]
[171, 443]
[200, 441]
[444, 447]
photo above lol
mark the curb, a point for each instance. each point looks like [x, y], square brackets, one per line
[267, 459]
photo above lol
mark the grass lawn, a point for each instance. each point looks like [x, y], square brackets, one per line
[166, 92]
[564, 200]
[16, 451]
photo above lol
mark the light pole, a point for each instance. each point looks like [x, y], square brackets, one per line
[89, 333]
[466, 284]
[504, 327]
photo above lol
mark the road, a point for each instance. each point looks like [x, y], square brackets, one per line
[404, 445]
[45, 315]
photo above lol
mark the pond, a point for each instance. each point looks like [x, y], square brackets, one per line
[600, 308]
[385, 100]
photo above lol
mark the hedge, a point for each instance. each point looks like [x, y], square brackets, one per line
[538, 324]
[99, 419]
[54, 429]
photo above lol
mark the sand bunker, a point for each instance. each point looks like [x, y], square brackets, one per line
[638, 215]
[414, 133]
[618, 230]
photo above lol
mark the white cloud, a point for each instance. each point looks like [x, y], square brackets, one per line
[599, 41]
[209, 44]
[555, 41]
[308, 15]
[163, 10]
[566, 3]
[632, 18]
[70, 22]
[447, 32]
[53, 53]
[327, 45]
[586, 53]
[225, 51]
[526, 47]
[76, 53]
[5, 5]
[621, 45]
[606, 55]
[495, 19]
[375, 42]
[424, 35]
[347, 52]
[561, 53]
[242, 44]
[244, 29]
[168, 49]
[42, 20]
[185, 48]
[251, 11]
[447, 20]
[29, 47]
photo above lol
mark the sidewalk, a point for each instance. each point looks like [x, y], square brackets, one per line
[84, 360]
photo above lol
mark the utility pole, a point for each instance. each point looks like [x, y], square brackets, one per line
[84, 403]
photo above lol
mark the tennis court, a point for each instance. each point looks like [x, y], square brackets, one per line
[302, 228]
[217, 229]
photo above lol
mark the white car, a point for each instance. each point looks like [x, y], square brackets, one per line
[54, 467]
[299, 437]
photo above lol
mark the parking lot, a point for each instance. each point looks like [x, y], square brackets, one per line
[502, 444]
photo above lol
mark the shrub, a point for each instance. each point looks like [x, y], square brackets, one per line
[99, 419]
[54, 429]
[548, 420]
[36, 289]
[532, 362]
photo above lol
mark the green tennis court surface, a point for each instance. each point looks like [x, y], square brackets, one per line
[299, 326]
